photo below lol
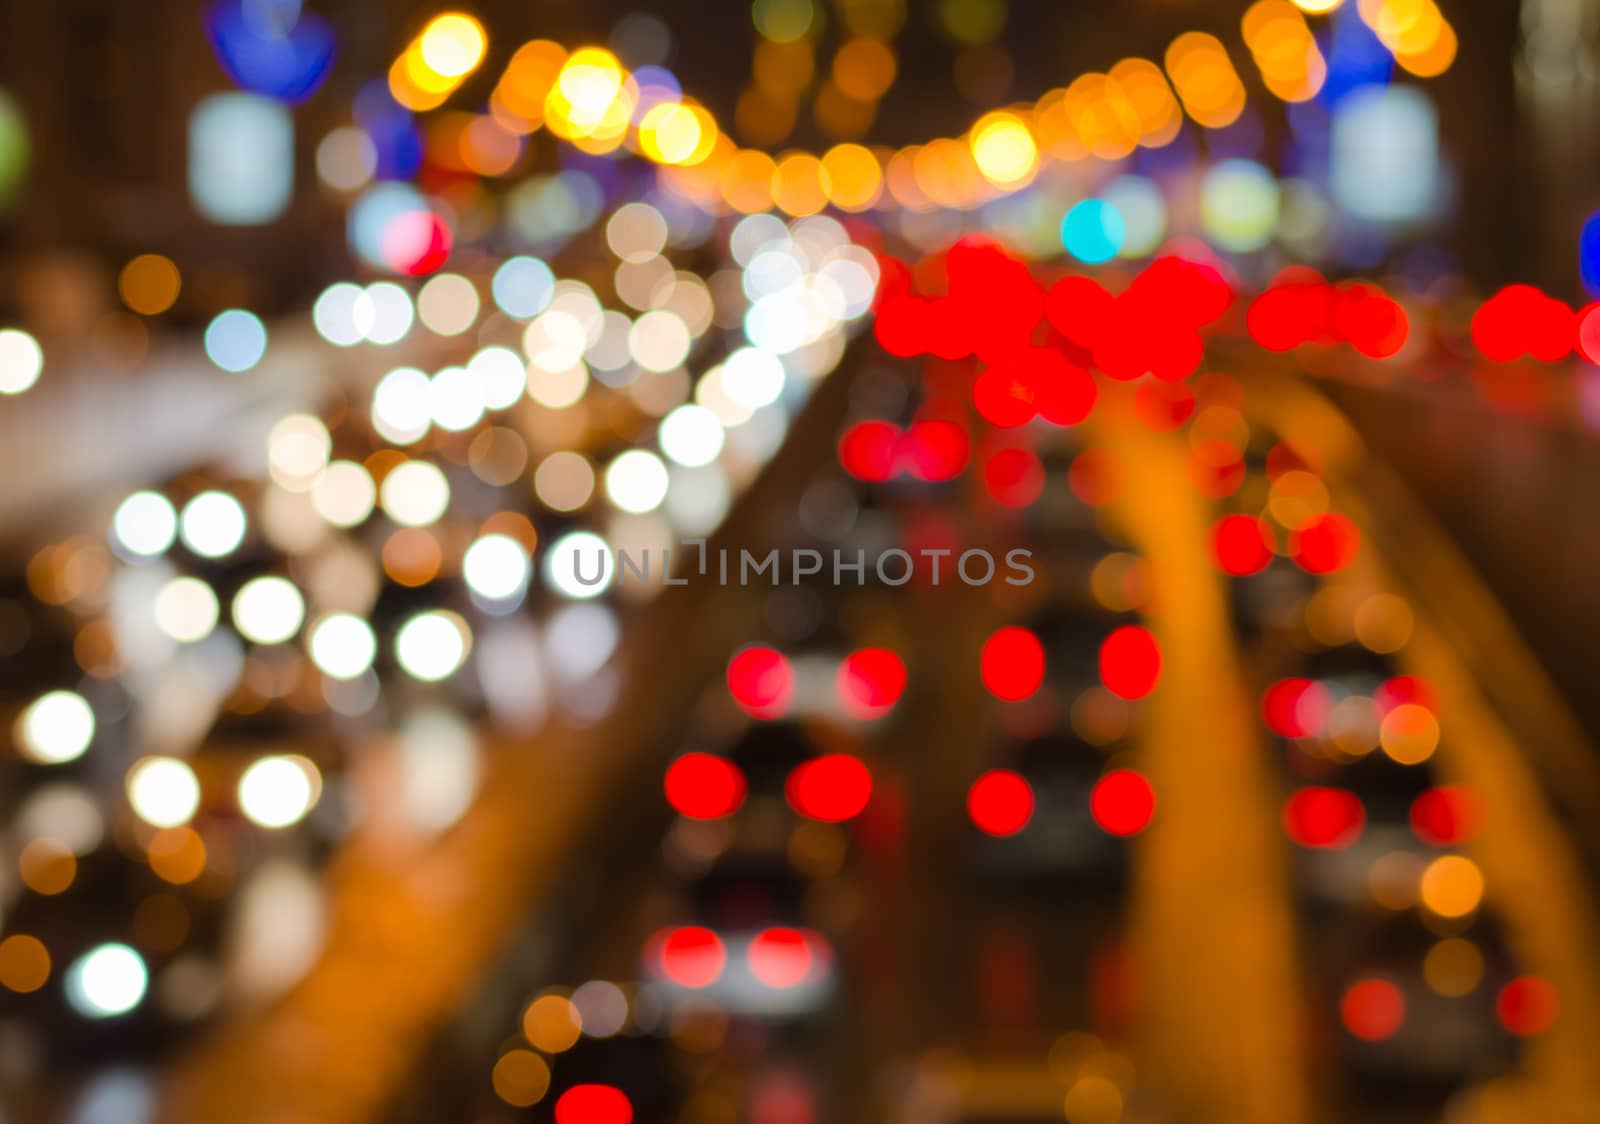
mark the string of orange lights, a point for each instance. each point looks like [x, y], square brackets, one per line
[586, 97]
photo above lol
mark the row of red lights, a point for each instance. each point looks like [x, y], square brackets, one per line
[1001, 803]
[869, 681]
[1038, 345]
[1301, 308]
[1126, 337]
[694, 957]
[1328, 818]
[1374, 1009]
[833, 788]
[1013, 663]
[993, 308]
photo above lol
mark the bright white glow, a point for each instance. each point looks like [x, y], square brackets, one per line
[523, 286]
[279, 791]
[711, 394]
[241, 158]
[1385, 159]
[691, 435]
[213, 524]
[753, 378]
[754, 233]
[390, 311]
[854, 271]
[297, 452]
[21, 361]
[455, 399]
[236, 340]
[659, 341]
[558, 389]
[452, 45]
[636, 481]
[579, 565]
[342, 645]
[495, 567]
[415, 494]
[555, 340]
[401, 406]
[268, 610]
[56, 727]
[145, 524]
[448, 304]
[334, 314]
[772, 271]
[163, 791]
[501, 375]
[430, 646]
[106, 981]
[344, 494]
[186, 609]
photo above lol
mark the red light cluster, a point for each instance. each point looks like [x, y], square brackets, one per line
[1012, 664]
[935, 449]
[1302, 308]
[761, 681]
[690, 956]
[1406, 689]
[1520, 320]
[1000, 802]
[594, 1104]
[416, 243]
[932, 449]
[781, 958]
[1326, 544]
[1033, 382]
[870, 681]
[1123, 803]
[1296, 708]
[1242, 544]
[1013, 476]
[1152, 327]
[1589, 332]
[1527, 1006]
[869, 450]
[1446, 816]
[833, 788]
[1373, 1009]
[992, 306]
[1130, 662]
[1324, 818]
[695, 957]
[703, 786]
